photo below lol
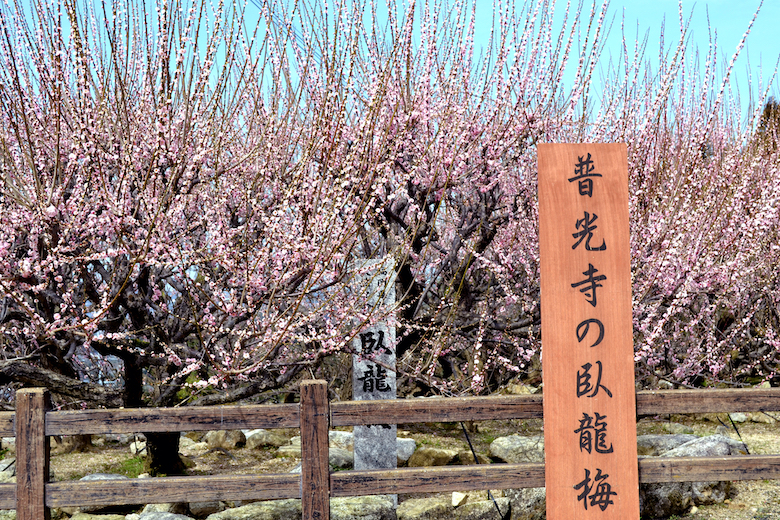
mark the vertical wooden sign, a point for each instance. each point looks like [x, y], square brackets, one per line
[591, 468]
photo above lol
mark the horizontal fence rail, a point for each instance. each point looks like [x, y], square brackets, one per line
[32, 495]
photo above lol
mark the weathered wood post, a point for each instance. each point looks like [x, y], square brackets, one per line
[373, 368]
[32, 454]
[591, 468]
[315, 472]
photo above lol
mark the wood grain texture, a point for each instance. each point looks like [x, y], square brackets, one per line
[173, 489]
[422, 410]
[401, 411]
[706, 469]
[7, 496]
[193, 418]
[315, 471]
[369, 482]
[32, 454]
[708, 401]
[7, 428]
[436, 479]
[587, 332]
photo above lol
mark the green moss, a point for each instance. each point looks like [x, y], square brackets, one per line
[131, 467]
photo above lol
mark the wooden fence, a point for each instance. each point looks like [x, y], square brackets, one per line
[33, 495]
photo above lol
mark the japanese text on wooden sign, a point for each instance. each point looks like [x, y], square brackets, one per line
[591, 468]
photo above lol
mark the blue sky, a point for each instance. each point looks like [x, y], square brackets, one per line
[729, 18]
[726, 19]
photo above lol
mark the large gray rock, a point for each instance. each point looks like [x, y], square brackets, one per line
[289, 509]
[712, 446]
[527, 503]
[655, 500]
[675, 498]
[518, 449]
[654, 445]
[380, 507]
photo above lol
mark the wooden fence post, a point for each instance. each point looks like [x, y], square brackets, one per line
[32, 454]
[315, 472]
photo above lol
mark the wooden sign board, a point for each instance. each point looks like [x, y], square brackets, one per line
[591, 468]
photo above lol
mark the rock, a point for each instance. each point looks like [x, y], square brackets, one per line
[161, 515]
[528, 503]
[261, 438]
[425, 457]
[103, 476]
[711, 446]
[761, 417]
[291, 450]
[185, 442]
[723, 430]
[178, 508]
[203, 509]
[520, 389]
[405, 449]
[458, 498]
[120, 438]
[466, 457]
[340, 458]
[379, 507]
[138, 448]
[196, 448]
[676, 428]
[272, 510]
[482, 510]
[664, 499]
[675, 498]
[195, 436]
[8, 443]
[340, 439]
[517, 449]
[654, 445]
[225, 439]
[434, 508]
[738, 417]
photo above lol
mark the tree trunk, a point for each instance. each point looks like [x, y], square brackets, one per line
[78, 443]
[162, 449]
[162, 455]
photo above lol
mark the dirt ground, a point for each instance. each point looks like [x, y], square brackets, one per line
[755, 500]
